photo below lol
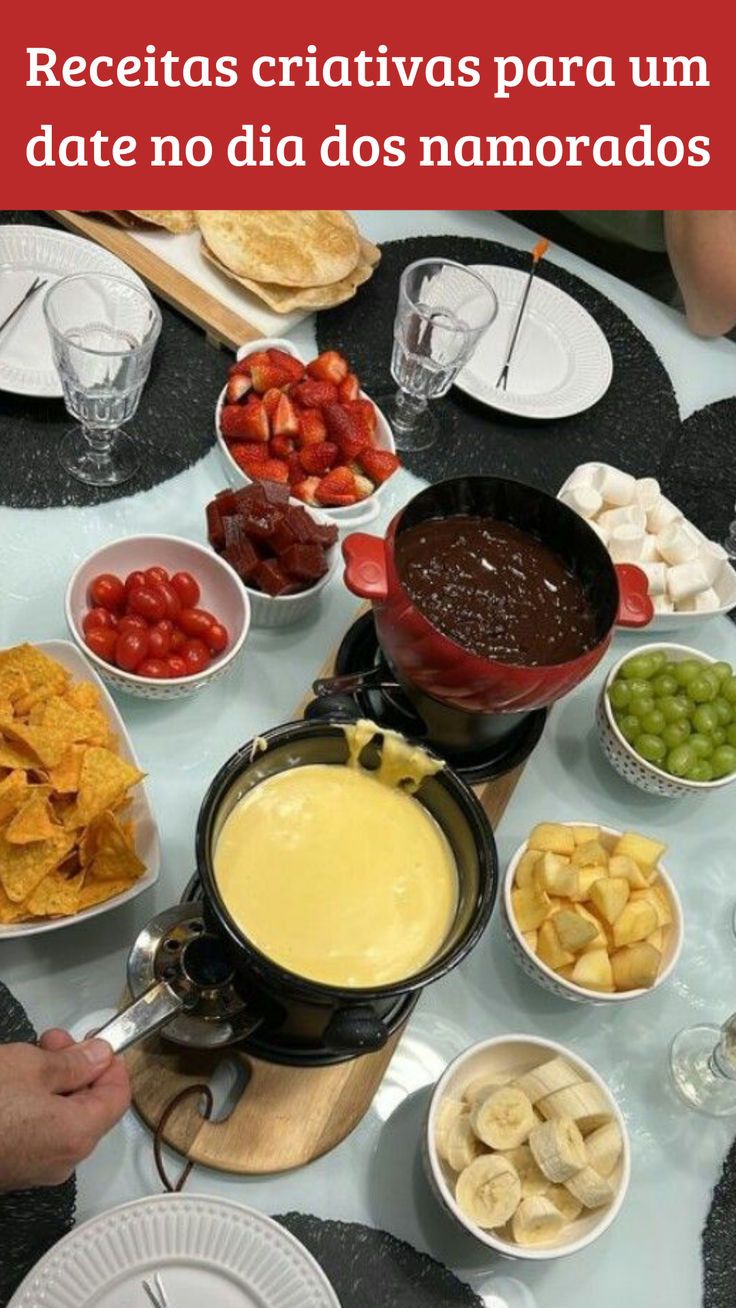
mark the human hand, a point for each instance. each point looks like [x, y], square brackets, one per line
[57, 1100]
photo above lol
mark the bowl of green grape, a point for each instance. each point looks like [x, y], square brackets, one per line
[666, 720]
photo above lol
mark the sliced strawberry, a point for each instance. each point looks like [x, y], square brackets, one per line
[348, 389]
[312, 429]
[306, 490]
[295, 469]
[271, 401]
[243, 366]
[363, 487]
[237, 388]
[318, 459]
[378, 464]
[364, 413]
[294, 367]
[337, 488]
[328, 366]
[343, 428]
[267, 375]
[255, 420]
[273, 470]
[281, 447]
[314, 394]
[285, 421]
[249, 457]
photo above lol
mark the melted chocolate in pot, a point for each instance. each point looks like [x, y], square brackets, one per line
[496, 590]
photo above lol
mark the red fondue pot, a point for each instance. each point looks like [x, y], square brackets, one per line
[424, 659]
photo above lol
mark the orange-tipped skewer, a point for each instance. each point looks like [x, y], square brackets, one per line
[539, 251]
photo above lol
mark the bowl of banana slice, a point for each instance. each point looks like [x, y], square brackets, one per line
[526, 1147]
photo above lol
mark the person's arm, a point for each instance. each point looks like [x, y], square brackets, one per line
[57, 1100]
[701, 244]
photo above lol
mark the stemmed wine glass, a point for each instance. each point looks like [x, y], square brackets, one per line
[703, 1064]
[443, 310]
[103, 331]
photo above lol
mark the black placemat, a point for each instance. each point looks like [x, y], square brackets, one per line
[30, 1220]
[719, 1240]
[174, 425]
[698, 472]
[373, 1269]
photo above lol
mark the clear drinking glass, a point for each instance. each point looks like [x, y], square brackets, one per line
[103, 332]
[443, 310]
[703, 1063]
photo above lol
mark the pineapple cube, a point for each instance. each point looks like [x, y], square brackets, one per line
[552, 837]
[593, 970]
[574, 932]
[599, 940]
[582, 834]
[621, 865]
[566, 971]
[555, 874]
[635, 967]
[609, 896]
[524, 873]
[655, 896]
[644, 851]
[592, 852]
[586, 877]
[549, 949]
[530, 907]
[635, 922]
[530, 940]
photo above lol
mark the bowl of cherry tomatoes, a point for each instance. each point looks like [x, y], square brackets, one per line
[160, 617]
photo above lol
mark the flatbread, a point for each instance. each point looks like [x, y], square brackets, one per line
[289, 247]
[288, 299]
[174, 220]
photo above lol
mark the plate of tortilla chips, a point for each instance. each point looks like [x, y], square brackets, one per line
[77, 833]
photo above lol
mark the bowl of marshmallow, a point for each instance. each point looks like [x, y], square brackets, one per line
[690, 577]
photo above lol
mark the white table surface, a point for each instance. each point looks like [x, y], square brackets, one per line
[651, 1255]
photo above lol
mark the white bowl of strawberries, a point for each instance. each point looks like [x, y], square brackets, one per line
[308, 424]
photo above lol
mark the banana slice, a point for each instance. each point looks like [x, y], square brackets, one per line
[558, 1149]
[536, 1221]
[448, 1113]
[533, 1181]
[590, 1188]
[504, 1119]
[488, 1191]
[556, 1074]
[585, 1103]
[569, 1206]
[481, 1087]
[604, 1147]
[459, 1144]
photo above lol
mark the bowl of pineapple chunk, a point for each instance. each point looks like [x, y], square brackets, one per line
[590, 912]
[526, 1147]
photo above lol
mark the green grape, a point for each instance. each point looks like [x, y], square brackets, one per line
[664, 684]
[718, 736]
[638, 668]
[702, 745]
[619, 695]
[702, 689]
[705, 719]
[657, 658]
[674, 707]
[680, 760]
[731, 735]
[629, 726]
[724, 711]
[640, 705]
[653, 722]
[728, 690]
[687, 671]
[722, 671]
[669, 669]
[723, 760]
[650, 747]
[700, 771]
[638, 686]
[676, 733]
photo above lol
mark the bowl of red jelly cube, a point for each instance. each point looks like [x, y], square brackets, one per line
[284, 554]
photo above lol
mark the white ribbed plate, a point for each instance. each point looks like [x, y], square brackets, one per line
[561, 363]
[206, 1251]
[26, 364]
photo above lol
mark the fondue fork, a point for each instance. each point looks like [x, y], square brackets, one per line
[539, 251]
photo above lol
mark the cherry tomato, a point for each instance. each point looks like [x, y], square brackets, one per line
[159, 639]
[132, 622]
[187, 588]
[133, 581]
[170, 597]
[197, 623]
[131, 649]
[196, 656]
[217, 637]
[102, 642]
[156, 668]
[156, 574]
[148, 603]
[107, 591]
[177, 666]
[98, 618]
[178, 639]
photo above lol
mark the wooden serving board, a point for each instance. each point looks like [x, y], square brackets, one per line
[285, 1116]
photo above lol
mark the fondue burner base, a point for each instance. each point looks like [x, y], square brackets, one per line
[388, 706]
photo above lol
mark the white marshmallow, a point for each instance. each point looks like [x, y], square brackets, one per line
[584, 499]
[706, 601]
[617, 487]
[684, 580]
[662, 604]
[656, 575]
[662, 514]
[712, 557]
[647, 492]
[630, 513]
[649, 550]
[586, 474]
[625, 543]
[675, 544]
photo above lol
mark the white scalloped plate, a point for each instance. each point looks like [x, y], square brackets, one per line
[26, 364]
[562, 361]
[206, 1250]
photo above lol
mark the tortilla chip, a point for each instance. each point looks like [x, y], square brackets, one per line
[10, 911]
[13, 790]
[33, 821]
[47, 745]
[104, 778]
[80, 724]
[96, 892]
[12, 683]
[114, 858]
[13, 755]
[56, 895]
[6, 710]
[291, 247]
[83, 695]
[64, 778]
[37, 668]
[22, 867]
[174, 220]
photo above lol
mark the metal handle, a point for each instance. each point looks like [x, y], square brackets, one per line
[373, 679]
[152, 1010]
